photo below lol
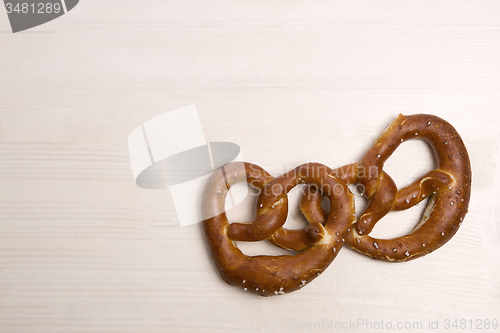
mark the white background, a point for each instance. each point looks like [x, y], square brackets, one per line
[83, 249]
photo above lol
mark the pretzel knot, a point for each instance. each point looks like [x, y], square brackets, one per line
[447, 187]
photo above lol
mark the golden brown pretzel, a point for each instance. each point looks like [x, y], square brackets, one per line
[274, 275]
[447, 187]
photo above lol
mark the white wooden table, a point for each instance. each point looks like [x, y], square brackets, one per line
[83, 249]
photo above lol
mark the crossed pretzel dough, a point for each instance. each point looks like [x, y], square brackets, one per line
[448, 188]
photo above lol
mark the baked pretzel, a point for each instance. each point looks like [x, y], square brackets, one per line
[274, 275]
[448, 188]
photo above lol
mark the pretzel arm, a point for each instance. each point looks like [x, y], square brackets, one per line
[298, 240]
[433, 182]
[379, 205]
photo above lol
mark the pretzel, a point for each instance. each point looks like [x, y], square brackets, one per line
[275, 275]
[448, 188]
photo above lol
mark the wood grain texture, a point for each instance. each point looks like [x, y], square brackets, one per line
[83, 249]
